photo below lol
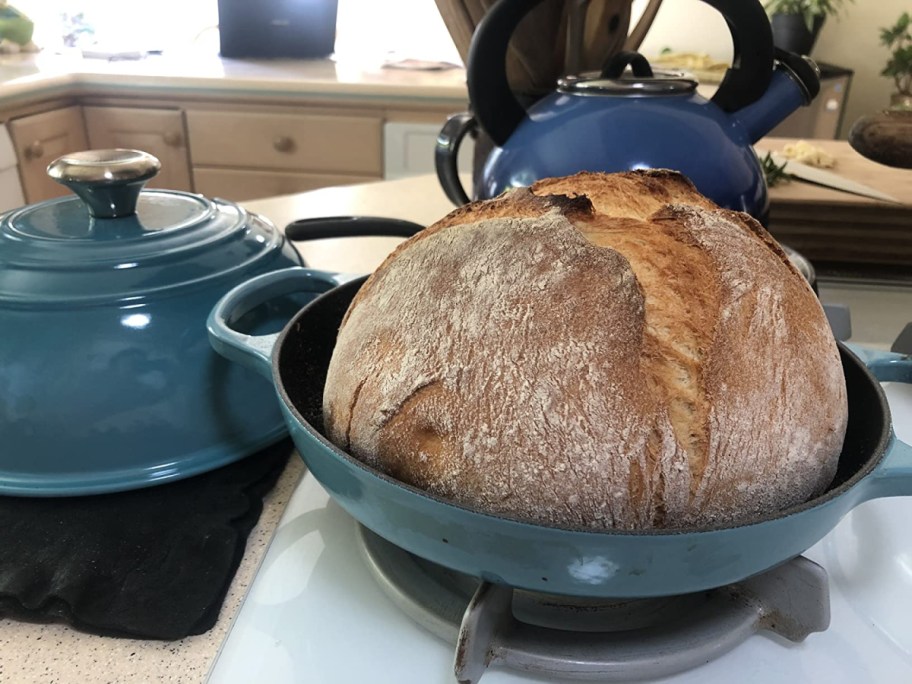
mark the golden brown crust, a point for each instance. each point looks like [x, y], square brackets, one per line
[632, 194]
[518, 204]
[603, 351]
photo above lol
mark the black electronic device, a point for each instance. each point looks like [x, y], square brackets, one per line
[277, 28]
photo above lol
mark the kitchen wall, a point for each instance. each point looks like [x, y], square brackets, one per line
[366, 29]
[371, 29]
[120, 24]
[406, 28]
[851, 41]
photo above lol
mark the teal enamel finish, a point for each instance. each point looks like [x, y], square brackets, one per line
[107, 379]
[255, 351]
[886, 366]
[555, 560]
[109, 201]
[55, 254]
[894, 476]
[581, 563]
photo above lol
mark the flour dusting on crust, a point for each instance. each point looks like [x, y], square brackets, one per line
[570, 368]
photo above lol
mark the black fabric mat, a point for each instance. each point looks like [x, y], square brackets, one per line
[151, 563]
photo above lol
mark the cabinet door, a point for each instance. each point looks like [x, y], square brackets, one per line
[39, 139]
[157, 131]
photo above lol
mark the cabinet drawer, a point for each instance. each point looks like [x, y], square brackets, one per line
[41, 138]
[157, 131]
[305, 142]
[238, 186]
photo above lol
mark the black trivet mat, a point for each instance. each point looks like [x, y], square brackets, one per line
[150, 563]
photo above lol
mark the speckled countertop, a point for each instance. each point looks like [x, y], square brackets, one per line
[58, 654]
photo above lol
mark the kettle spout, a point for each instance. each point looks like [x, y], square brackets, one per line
[795, 83]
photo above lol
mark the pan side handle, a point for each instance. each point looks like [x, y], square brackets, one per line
[885, 366]
[893, 477]
[255, 351]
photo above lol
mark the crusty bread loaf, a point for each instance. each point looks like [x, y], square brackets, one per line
[605, 351]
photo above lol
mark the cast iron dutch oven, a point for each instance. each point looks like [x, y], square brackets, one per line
[873, 464]
[107, 379]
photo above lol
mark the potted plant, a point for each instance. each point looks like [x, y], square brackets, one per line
[796, 23]
[886, 137]
[898, 39]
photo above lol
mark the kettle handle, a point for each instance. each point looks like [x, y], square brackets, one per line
[499, 112]
[446, 155]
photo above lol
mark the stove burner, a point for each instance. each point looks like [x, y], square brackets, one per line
[595, 639]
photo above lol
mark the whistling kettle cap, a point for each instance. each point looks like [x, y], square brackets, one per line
[115, 241]
[642, 81]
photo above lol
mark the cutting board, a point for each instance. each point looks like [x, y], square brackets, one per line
[829, 226]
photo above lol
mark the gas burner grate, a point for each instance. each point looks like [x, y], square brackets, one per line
[595, 639]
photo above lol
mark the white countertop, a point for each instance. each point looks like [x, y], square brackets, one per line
[26, 77]
[419, 199]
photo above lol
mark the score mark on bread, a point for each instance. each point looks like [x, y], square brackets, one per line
[605, 351]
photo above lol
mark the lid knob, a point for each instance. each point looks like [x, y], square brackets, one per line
[108, 181]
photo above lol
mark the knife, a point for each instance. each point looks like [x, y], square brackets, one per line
[812, 174]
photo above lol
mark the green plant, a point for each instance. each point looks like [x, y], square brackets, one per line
[898, 39]
[809, 9]
[773, 172]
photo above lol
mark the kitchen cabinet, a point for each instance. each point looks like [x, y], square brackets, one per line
[243, 155]
[409, 147]
[245, 131]
[39, 139]
[160, 132]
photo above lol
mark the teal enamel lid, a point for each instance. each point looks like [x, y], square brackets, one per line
[113, 241]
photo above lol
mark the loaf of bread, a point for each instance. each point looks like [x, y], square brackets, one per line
[602, 351]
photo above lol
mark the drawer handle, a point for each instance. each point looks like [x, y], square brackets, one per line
[35, 150]
[173, 139]
[283, 143]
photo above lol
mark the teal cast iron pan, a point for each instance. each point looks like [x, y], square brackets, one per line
[555, 560]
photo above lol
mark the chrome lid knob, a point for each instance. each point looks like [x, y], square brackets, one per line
[108, 181]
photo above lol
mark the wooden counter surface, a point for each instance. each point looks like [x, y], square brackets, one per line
[833, 227]
[850, 165]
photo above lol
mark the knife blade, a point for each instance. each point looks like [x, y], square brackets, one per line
[812, 174]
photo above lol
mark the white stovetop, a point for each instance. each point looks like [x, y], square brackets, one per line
[314, 614]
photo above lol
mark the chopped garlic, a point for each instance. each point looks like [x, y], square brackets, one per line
[806, 153]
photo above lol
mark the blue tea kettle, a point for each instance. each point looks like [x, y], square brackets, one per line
[630, 116]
